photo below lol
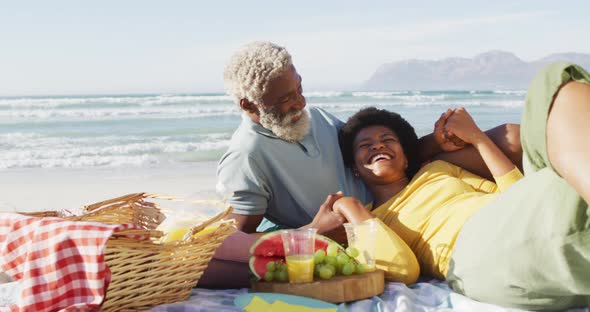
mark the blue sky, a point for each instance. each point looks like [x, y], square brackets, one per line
[82, 47]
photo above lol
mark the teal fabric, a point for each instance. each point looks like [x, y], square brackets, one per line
[268, 226]
[286, 182]
[530, 247]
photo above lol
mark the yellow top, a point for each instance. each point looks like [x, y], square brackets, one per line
[430, 211]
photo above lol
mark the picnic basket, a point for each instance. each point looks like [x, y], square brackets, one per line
[146, 273]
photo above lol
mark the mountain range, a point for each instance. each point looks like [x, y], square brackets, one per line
[491, 70]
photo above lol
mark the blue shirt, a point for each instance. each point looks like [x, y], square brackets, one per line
[286, 182]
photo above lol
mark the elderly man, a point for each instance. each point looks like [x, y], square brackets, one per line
[283, 159]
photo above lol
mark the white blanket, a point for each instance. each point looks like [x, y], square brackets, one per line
[428, 296]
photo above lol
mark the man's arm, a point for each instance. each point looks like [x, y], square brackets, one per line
[462, 124]
[246, 223]
[506, 137]
[437, 146]
[238, 174]
[325, 221]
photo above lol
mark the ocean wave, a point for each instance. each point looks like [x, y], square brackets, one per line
[377, 93]
[424, 100]
[217, 111]
[155, 100]
[20, 140]
[7, 139]
[80, 162]
[510, 92]
[414, 102]
[103, 113]
[323, 94]
[402, 96]
[109, 151]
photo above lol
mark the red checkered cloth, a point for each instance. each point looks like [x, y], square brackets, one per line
[59, 264]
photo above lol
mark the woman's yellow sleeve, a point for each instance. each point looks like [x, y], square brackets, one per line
[508, 179]
[394, 256]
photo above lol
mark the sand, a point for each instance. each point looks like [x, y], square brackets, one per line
[38, 189]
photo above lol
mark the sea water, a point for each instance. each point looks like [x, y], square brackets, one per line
[148, 130]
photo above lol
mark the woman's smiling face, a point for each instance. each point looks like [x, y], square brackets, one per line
[378, 156]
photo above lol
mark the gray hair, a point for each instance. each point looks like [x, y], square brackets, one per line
[250, 69]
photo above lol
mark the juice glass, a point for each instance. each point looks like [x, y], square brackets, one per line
[362, 236]
[299, 247]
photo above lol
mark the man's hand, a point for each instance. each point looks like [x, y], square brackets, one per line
[445, 138]
[326, 219]
[463, 126]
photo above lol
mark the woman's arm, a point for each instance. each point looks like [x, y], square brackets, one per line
[462, 125]
[392, 254]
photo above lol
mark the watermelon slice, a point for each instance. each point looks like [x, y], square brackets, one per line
[258, 264]
[269, 247]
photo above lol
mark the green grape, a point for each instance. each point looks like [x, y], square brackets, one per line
[353, 252]
[338, 268]
[332, 250]
[326, 273]
[331, 268]
[271, 266]
[319, 256]
[360, 268]
[366, 268]
[268, 276]
[316, 269]
[281, 276]
[330, 260]
[343, 258]
[348, 269]
[280, 265]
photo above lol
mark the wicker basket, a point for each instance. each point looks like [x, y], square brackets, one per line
[149, 273]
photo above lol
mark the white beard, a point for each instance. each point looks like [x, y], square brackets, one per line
[283, 126]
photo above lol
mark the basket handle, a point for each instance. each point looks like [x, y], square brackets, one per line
[124, 198]
[218, 217]
[128, 199]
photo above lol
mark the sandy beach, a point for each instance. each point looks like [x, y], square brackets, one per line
[38, 189]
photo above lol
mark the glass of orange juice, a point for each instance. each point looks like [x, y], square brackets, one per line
[299, 247]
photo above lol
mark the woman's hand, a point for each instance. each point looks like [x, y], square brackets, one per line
[326, 219]
[462, 125]
[447, 141]
[352, 209]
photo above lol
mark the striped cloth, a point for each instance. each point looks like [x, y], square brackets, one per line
[59, 264]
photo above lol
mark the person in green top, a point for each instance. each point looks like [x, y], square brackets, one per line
[528, 246]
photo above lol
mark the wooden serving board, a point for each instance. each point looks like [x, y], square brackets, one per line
[337, 289]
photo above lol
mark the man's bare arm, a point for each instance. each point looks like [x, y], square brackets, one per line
[325, 220]
[247, 223]
[506, 137]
